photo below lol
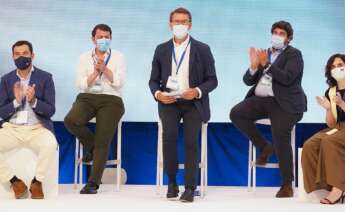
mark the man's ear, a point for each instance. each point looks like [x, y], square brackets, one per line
[190, 26]
[93, 40]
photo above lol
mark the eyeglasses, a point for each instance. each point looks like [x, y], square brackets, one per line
[184, 22]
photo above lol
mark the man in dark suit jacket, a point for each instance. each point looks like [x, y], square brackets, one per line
[183, 73]
[277, 94]
[27, 102]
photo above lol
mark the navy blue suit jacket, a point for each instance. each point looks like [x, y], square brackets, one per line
[44, 91]
[202, 72]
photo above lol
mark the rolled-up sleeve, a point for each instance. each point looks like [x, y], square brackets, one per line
[119, 74]
[81, 80]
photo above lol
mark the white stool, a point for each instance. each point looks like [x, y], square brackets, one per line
[202, 164]
[79, 162]
[23, 162]
[302, 195]
[252, 158]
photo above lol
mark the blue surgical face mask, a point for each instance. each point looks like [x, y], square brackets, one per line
[103, 44]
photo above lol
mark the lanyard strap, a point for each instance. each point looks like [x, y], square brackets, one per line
[178, 65]
[106, 61]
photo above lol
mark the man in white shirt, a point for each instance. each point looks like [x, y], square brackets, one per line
[100, 77]
[183, 74]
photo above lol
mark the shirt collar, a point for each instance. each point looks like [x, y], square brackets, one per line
[183, 44]
[32, 69]
[278, 51]
[94, 57]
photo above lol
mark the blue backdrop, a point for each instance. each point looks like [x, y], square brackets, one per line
[227, 153]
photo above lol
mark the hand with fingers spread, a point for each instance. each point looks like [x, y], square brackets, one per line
[323, 102]
[263, 56]
[30, 94]
[254, 60]
[18, 91]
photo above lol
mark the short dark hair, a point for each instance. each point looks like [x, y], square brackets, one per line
[329, 79]
[21, 43]
[102, 27]
[286, 26]
[181, 10]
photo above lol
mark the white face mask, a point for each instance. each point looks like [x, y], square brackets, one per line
[338, 73]
[180, 31]
[277, 42]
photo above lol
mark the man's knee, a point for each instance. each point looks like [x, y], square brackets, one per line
[235, 113]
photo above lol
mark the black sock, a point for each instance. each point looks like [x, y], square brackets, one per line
[172, 180]
[93, 184]
[14, 179]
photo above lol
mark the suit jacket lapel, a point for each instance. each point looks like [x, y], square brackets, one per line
[33, 77]
[281, 55]
[168, 57]
[191, 60]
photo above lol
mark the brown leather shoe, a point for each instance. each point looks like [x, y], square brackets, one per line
[36, 190]
[285, 191]
[265, 154]
[20, 189]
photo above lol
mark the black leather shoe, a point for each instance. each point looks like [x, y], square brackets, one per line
[187, 196]
[88, 156]
[172, 191]
[90, 188]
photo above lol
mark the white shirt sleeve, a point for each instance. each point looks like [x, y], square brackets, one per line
[15, 103]
[119, 74]
[156, 94]
[82, 76]
[200, 93]
[251, 71]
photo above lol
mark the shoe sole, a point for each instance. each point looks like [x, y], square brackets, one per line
[172, 198]
[24, 195]
[37, 197]
[88, 192]
[186, 201]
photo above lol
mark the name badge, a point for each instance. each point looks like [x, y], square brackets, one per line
[173, 83]
[97, 87]
[22, 117]
[266, 79]
[332, 131]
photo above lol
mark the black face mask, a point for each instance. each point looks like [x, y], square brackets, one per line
[22, 62]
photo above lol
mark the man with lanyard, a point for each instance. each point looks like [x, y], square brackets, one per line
[182, 76]
[27, 103]
[275, 76]
[100, 77]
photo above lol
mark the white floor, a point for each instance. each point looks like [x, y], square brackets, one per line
[144, 198]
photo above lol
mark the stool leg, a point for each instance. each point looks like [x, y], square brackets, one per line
[76, 165]
[293, 144]
[250, 167]
[254, 168]
[80, 161]
[202, 165]
[119, 161]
